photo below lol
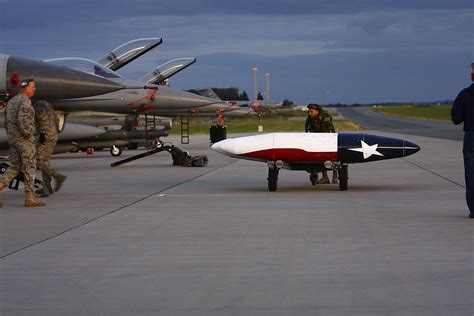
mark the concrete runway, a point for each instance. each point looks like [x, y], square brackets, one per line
[375, 121]
[148, 238]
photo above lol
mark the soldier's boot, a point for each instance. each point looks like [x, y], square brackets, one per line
[31, 202]
[59, 180]
[324, 179]
[48, 189]
[335, 177]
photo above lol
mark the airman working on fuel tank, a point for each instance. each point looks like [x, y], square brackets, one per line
[20, 127]
[320, 121]
[47, 126]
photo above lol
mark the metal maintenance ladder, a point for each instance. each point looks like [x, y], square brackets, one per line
[184, 129]
[150, 125]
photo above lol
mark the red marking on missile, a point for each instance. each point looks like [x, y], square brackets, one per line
[292, 155]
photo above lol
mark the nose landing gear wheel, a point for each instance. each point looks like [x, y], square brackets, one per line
[115, 151]
[272, 179]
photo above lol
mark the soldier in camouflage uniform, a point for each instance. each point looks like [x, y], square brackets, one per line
[20, 126]
[47, 126]
[320, 121]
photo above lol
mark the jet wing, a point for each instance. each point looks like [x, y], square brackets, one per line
[166, 70]
[128, 52]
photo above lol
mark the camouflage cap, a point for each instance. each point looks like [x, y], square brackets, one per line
[314, 106]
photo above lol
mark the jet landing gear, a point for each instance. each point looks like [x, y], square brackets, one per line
[115, 151]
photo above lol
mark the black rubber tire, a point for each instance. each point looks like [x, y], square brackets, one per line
[343, 178]
[272, 179]
[116, 151]
[313, 178]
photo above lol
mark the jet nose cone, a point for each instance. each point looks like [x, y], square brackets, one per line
[226, 147]
[168, 98]
[410, 148]
[55, 82]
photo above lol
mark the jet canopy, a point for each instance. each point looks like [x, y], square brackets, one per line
[128, 52]
[166, 70]
[84, 65]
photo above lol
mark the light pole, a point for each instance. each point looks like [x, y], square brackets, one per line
[267, 75]
[255, 84]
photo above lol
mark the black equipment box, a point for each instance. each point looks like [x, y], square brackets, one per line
[218, 133]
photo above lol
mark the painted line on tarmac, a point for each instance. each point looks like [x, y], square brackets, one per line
[434, 173]
[114, 211]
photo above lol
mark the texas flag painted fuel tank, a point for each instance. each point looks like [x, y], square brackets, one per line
[316, 147]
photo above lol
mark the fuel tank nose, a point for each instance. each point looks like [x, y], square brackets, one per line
[410, 148]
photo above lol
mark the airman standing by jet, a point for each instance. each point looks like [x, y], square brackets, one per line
[463, 111]
[20, 126]
[320, 121]
[47, 125]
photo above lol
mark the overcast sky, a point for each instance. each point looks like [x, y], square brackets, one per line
[349, 51]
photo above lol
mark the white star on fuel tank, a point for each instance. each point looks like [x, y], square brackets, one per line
[367, 150]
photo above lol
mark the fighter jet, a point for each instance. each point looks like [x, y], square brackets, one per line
[130, 123]
[136, 97]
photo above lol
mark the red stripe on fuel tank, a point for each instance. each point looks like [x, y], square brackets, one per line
[291, 155]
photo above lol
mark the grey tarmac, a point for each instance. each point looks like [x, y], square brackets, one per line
[148, 238]
[372, 120]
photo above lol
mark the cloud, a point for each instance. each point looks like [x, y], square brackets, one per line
[306, 44]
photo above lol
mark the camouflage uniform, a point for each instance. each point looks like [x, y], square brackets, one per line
[20, 126]
[322, 124]
[47, 125]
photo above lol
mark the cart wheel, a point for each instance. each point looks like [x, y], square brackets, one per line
[41, 189]
[272, 179]
[343, 178]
